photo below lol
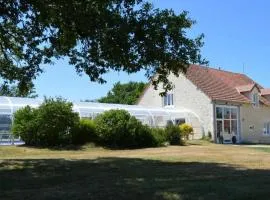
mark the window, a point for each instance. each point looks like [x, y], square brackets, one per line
[234, 127]
[169, 122]
[233, 113]
[219, 113]
[219, 128]
[5, 122]
[227, 126]
[226, 120]
[255, 99]
[180, 121]
[266, 129]
[227, 113]
[168, 100]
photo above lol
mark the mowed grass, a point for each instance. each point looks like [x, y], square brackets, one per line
[198, 171]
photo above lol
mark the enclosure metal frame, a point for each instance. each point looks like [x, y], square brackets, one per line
[90, 109]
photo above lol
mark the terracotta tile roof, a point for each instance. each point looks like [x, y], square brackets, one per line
[265, 91]
[222, 85]
[264, 101]
[245, 88]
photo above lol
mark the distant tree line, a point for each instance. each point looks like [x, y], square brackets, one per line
[123, 93]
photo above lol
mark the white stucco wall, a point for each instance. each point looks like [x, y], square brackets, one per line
[186, 95]
[250, 116]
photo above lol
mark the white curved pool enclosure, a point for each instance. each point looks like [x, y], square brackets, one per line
[154, 117]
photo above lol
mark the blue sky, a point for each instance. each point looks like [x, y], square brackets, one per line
[237, 34]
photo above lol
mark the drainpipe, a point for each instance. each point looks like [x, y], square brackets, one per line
[239, 124]
[214, 122]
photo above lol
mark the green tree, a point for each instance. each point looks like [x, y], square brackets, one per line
[13, 91]
[96, 36]
[50, 124]
[127, 93]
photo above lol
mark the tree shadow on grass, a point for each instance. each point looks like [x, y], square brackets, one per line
[128, 178]
[61, 148]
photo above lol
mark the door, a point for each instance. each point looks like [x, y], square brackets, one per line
[227, 124]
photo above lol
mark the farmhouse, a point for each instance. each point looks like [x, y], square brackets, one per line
[230, 107]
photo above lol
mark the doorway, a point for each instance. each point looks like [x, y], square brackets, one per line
[227, 129]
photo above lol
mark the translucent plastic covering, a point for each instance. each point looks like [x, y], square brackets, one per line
[24, 101]
[4, 100]
[154, 117]
[9, 105]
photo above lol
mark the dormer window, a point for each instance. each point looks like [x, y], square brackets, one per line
[255, 99]
[168, 100]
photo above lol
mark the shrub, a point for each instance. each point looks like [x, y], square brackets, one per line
[208, 137]
[84, 132]
[48, 125]
[160, 136]
[25, 125]
[56, 119]
[173, 134]
[186, 130]
[138, 135]
[111, 126]
[117, 128]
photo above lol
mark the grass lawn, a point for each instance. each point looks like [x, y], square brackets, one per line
[197, 171]
[265, 149]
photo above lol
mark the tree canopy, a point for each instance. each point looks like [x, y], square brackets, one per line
[126, 93]
[13, 91]
[96, 36]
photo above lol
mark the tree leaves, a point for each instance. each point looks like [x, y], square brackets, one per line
[127, 93]
[96, 36]
[14, 91]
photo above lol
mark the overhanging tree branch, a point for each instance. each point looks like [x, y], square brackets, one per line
[96, 36]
